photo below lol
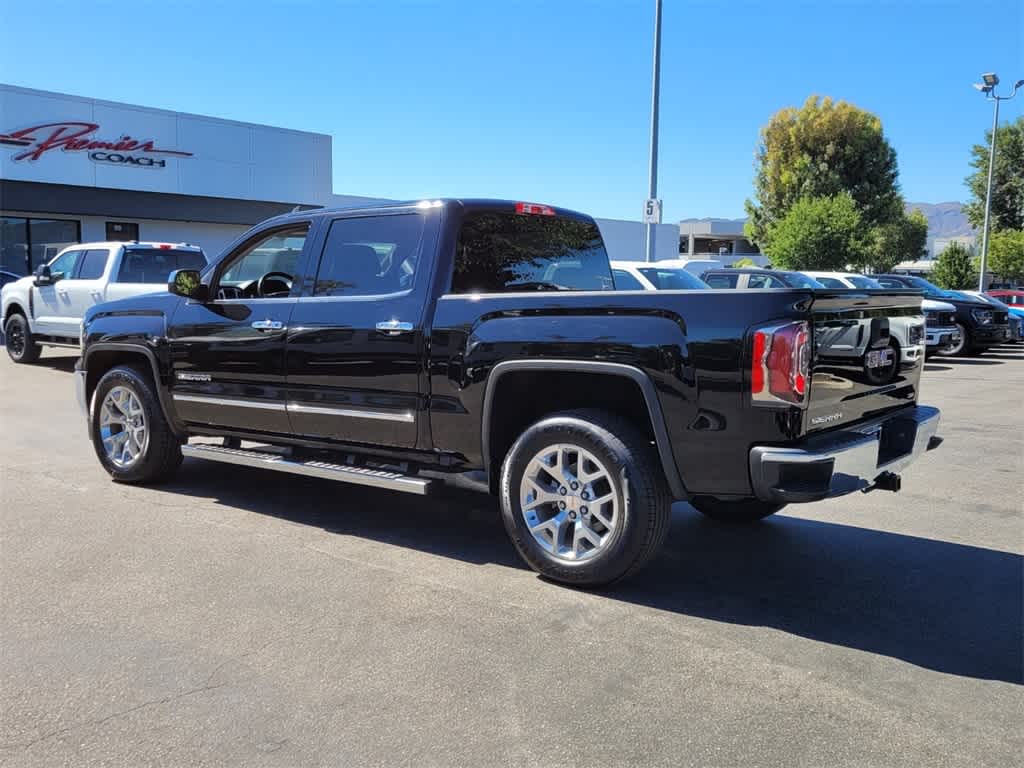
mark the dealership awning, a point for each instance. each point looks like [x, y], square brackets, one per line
[36, 197]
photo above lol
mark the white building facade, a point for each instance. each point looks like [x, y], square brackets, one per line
[76, 169]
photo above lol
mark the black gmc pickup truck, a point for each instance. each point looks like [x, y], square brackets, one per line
[484, 342]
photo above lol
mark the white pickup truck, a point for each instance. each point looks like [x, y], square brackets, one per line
[46, 309]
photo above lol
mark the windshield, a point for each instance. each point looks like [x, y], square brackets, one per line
[669, 279]
[923, 285]
[796, 280]
[859, 281]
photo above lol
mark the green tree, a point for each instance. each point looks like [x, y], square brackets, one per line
[902, 239]
[955, 268]
[1006, 254]
[744, 262]
[1007, 179]
[819, 233]
[822, 149]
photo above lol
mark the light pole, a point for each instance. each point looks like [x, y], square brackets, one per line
[988, 87]
[652, 208]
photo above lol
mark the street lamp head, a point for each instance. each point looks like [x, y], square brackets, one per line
[1018, 84]
[991, 79]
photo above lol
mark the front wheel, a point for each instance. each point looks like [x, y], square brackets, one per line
[737, 511]
[21, 347]
[584, 499]
[958, 347]
[130, 434]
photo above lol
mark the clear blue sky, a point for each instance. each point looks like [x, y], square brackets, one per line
[545, 101]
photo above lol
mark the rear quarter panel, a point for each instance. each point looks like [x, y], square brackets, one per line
[689, 343]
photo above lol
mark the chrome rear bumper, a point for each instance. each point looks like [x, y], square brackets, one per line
[845, 459]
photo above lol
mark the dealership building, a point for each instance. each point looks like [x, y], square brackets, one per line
[76, 169]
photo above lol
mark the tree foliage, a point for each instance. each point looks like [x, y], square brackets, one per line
[955, 268]
[744, 262]
[821, 150]
[1007, 179]
[1006, 255]
[902, 239]
[818, 233]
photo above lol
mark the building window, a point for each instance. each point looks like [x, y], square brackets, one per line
[122, 231]
[26, 243]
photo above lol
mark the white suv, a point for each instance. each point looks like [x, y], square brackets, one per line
[46, 309]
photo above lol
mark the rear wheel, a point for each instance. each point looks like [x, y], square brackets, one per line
[132, 439]
[21, 347]
[736, 511]
[583, 498]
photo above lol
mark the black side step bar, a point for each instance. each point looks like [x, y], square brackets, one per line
[375, 478]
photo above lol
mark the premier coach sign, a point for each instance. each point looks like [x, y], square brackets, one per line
[38, 140]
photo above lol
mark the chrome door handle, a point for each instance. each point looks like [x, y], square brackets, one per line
[394, 327]
[268, 325]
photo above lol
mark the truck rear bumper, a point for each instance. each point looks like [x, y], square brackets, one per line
[844, 460]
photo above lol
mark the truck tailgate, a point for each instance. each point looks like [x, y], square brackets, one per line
[856, 370]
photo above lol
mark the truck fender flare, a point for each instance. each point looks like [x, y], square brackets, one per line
[642, 380]
[161, 390]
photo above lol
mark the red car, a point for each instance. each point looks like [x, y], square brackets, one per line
[1015, 297]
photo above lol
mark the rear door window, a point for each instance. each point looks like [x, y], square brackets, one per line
[370, 255]
[888, 282]
[624, 281]
[830, 282]
[764, 281]
[501, 252]
[671, 279]
[721, 280]
[93, 264]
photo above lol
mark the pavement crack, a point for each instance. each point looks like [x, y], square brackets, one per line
[106, 718]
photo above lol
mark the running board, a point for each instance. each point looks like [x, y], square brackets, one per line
[375, 478]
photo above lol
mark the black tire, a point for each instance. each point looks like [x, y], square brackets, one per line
[161, 455]
[961, 348]
[21, 347]
[736, 511]
[634, 477]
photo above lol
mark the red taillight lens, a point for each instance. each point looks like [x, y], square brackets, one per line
[535, 209]
[762, 342]
[780, 368]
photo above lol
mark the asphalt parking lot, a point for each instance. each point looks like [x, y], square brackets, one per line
[242, 618]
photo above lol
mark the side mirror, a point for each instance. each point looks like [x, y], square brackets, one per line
[43, 275]
[187, 284]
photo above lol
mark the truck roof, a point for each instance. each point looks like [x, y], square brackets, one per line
[466, 203]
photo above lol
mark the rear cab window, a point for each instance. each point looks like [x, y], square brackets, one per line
[504, 252]
[143, 264]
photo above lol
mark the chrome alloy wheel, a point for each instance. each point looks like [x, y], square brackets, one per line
[569, 503]
[123, 427]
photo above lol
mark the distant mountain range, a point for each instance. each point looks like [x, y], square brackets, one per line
[944, 219]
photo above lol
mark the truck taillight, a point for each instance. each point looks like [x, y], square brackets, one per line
[535, 209]
[780, 369]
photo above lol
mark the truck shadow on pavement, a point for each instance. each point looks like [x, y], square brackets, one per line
[947, 607]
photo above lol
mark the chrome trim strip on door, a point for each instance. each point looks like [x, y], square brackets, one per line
[182, 398]
[406, 417]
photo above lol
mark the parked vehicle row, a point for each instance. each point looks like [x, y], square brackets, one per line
[484, 342]
[47, 308]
